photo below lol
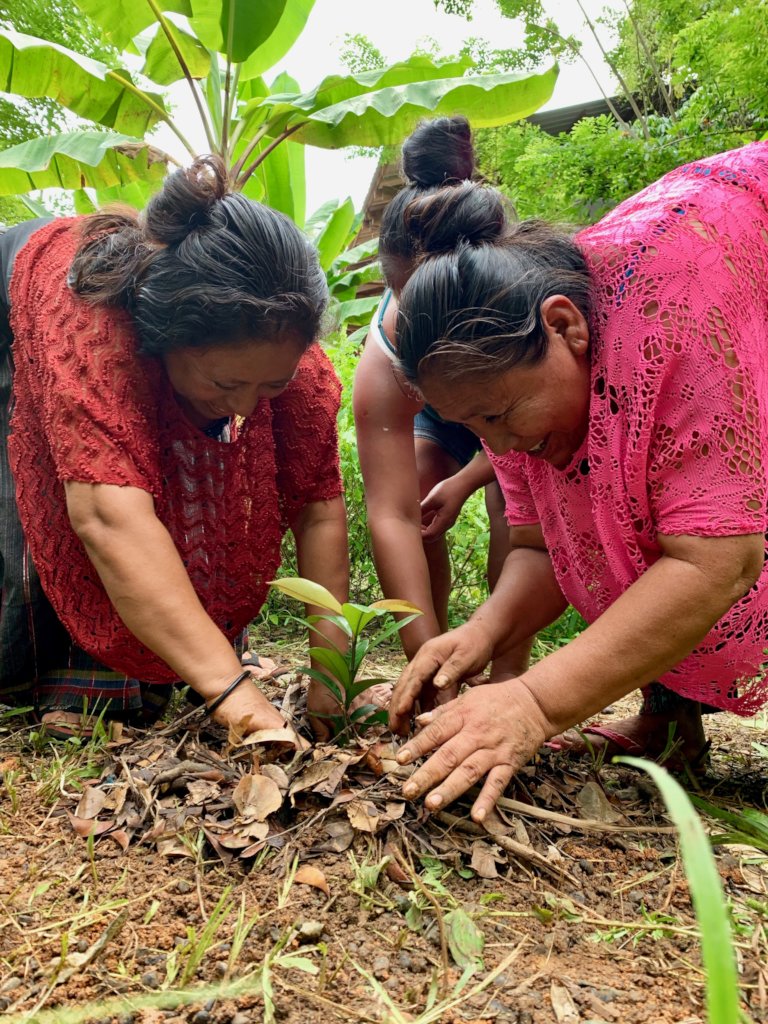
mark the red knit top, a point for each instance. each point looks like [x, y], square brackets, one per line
[89, 408]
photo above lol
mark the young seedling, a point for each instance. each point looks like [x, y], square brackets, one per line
[339, 669]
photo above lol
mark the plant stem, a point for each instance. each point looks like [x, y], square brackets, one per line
[187, 73]
[163, 114]
[245, 175]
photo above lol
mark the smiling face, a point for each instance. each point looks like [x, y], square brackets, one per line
[542, 410]
[230, 380]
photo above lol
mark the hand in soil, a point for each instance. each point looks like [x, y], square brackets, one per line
[489, 731]
[248, 710]
[447, 661]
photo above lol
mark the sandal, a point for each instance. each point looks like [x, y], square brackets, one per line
[57, 726]
[677, 762]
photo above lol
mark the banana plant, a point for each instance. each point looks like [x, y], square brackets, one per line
[332, 229]
[223, 50]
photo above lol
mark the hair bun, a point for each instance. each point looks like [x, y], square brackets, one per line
[438, 152]
[460, 214]
[187, 200]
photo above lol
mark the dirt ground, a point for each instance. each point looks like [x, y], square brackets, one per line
[200, 895]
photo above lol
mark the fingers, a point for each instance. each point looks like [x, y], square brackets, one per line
[401, 705]
[451, 771]
[439, 725]
[497, 781]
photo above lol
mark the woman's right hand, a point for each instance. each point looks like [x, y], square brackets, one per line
[247, 710]
[444, 662]
[440, 509]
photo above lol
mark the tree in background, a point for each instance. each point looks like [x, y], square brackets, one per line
[221, 51]
[60, 22]
[691, 72]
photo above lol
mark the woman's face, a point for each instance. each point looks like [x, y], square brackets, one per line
[230, 380]
[542, 410]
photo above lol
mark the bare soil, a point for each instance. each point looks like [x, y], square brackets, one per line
[344, 903]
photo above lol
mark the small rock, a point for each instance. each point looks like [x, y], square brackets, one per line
[11, 983]
[502, 980]
[5, 1002]
[636, 896]
[82, 945]
[220, 968]
[310, 931]
[25, 920]
[587, 866]
[240, 1018]
[151, 979]
[201, 1017]
[381, 967]
[405, 961]
[125, 1018]
[183, 886]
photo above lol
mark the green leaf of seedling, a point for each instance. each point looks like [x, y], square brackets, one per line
[334, 661]
[308, 591]
[357, 615]
[465, 940]
[390, 630]
[740, 838]
[396, 606]
[327, 681]
[337, 620]
[361, 649]
[363, 712]
[379, 717]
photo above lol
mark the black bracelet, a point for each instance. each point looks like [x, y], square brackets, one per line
[218, 701]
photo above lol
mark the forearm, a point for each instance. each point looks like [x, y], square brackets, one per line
[476, 474]
[147, 583]
[320, 531]
[656, 623]
[402, 569]
[526, 598]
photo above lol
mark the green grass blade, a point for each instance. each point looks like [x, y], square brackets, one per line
[717, 951]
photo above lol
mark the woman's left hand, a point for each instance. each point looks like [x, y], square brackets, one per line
[491, 731]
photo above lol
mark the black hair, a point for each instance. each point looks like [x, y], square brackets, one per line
[202, 266]
[438, 153]
[472, 307]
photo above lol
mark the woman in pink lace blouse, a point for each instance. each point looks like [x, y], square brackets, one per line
[620, 383]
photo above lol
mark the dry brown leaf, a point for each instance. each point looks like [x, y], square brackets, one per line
[278, 776]
[201, 791]
[363, 815]
[312, 775]
[329, 786]
[341, 836]
[88, 827]
[121, 837]
[393, 811]
[267, 737]
[563, 1005]
[309, 875]
[172, 846]
[594, 804]
[115, 797]
[91, 802]
[483, 860]
[256, 797]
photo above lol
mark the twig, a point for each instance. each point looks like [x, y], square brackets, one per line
[510, 845]
[579, 824]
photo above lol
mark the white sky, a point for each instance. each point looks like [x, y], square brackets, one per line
[396, 28]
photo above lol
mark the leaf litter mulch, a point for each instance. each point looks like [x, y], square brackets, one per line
[184, 875]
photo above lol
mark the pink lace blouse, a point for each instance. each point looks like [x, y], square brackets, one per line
[678, 419]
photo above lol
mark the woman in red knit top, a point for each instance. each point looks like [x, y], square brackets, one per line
[165, 417]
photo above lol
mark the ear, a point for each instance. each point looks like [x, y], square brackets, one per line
[561, 318]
